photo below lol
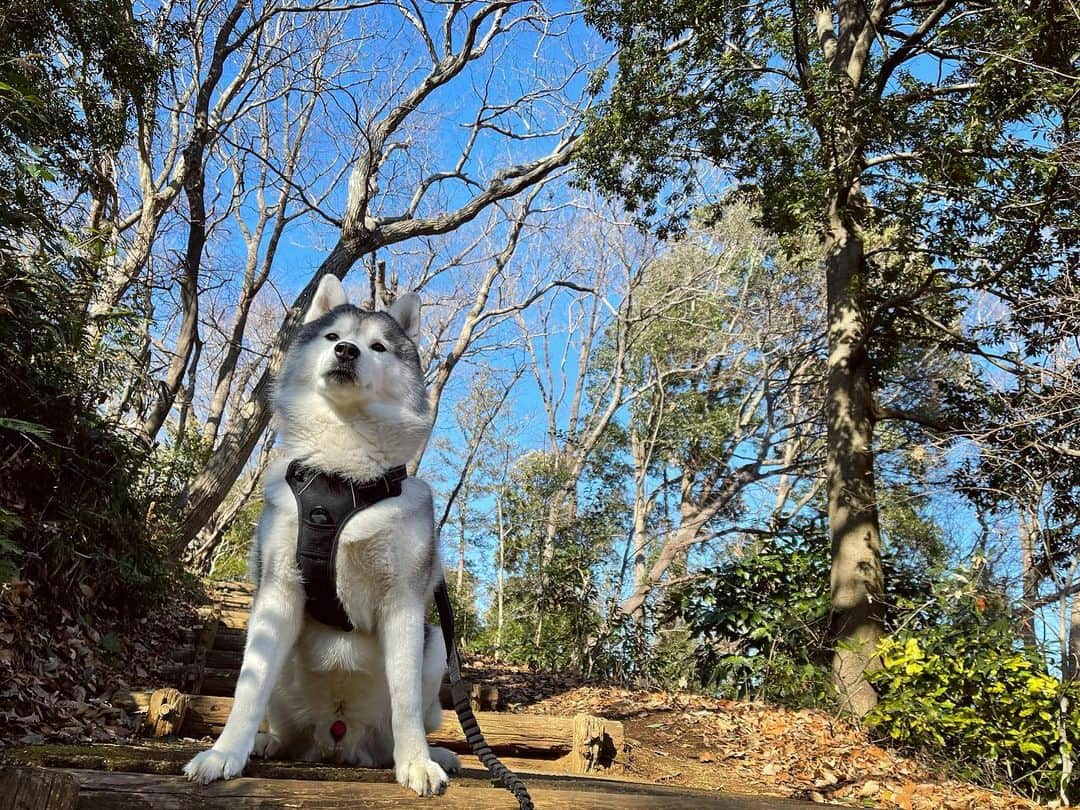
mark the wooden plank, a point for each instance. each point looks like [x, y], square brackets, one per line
[233, 586]
[223, 668]
[225, 659]
[201, 680]
[121, 791]
[234, 619]
[37, 789]
[219, 681]
[230, 638]
[169, 758]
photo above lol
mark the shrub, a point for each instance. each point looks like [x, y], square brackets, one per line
[72, 507]
[966, 690]
[760, 621]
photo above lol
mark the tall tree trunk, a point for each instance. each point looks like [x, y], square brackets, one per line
[187, 399]
[1029, 575]
[500, 575]
[205, 548]
[857, 580]
[1070, 666]
[640, 516]
[462, 520]
[194, 181]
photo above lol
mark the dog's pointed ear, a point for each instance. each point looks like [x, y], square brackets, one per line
[328, 294]
[406, 311]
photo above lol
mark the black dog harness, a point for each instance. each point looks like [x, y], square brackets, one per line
[324, 503]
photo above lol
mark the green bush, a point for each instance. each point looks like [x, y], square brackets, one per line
[230, 560]
[760, 621]
[72, 504]
[967, 691]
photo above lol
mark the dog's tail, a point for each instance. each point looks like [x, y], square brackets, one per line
[460, 694]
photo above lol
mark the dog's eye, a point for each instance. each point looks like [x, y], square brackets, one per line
[378, 347]
[332, 336]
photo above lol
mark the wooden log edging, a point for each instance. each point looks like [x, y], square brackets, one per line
[582, 744]
[37, 789]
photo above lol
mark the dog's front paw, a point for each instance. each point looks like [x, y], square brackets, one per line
[214, 764]
[423, 776]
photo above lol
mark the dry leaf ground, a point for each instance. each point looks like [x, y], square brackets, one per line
[696, 741]
[59, 667]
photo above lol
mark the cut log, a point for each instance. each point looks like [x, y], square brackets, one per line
[597, 743]
[165, 712]
[37, 789]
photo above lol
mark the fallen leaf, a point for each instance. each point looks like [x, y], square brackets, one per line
[868, 789]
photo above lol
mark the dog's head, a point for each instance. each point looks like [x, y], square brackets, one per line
[355, 360]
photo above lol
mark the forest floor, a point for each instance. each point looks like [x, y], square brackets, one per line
[691, 740]
[60, 668]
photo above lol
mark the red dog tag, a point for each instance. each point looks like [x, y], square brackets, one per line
[337, 730]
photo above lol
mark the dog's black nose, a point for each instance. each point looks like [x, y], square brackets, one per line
[346, 351]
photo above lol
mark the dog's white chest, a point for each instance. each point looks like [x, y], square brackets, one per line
[365, 572]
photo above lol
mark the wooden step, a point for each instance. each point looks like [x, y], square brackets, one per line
[37, 789]
[234, 619]
[230, 638]
[104, 790]
[579, 744]
[235, 586]
[221, 682]
[225, 659]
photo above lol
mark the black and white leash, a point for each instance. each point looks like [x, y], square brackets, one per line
[499, 772]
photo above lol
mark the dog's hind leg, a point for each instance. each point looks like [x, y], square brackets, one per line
[280, 738]
[276, 618]
[267, 745]
[431, 677]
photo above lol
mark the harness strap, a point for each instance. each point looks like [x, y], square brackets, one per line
[499, 772]
[324, 503]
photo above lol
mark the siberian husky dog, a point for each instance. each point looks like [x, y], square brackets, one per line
[349, 401]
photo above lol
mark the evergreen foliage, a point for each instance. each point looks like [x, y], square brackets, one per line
[964, 690]
[72, 502]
